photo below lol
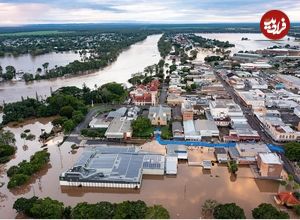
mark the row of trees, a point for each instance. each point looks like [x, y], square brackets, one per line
[48, 208]
[7, 149]
[21, 173]
[68, 102]
[164, 46]
[233, 211]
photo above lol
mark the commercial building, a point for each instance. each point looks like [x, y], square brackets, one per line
[171, 165]
[159, 115]
[278, 130]
[145, 94]
[290, 82]
[207, 128]
[253, 98]
[270, 165]
[112, 167]
[119, 128]
[246, 153]
[257, 83]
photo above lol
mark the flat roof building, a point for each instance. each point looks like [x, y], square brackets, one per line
[116, 167]
[119, 128]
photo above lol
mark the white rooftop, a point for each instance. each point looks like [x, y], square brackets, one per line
[270, 158]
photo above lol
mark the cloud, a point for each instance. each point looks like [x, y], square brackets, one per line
[156, 11]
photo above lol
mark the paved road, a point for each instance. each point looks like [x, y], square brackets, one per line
[252, 120]
[163, 94]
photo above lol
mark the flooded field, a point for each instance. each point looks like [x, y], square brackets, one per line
[182, 195]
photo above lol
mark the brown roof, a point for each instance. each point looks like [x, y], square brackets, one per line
[288, 198]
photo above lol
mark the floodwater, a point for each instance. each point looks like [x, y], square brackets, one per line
[255, 42]
[182, 195]
[130, 61]
[28, 64]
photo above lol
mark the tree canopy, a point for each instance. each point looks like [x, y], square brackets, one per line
[267, 211]
[292, 151]
[228, 211]
[48, 208]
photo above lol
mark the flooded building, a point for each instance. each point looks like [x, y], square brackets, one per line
[113, 167]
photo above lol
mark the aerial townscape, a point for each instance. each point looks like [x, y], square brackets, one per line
[151, 121]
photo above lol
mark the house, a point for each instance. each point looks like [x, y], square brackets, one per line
[119, 128]
[290, 82]
[221, 155]
[145, 94]
[289, 199]
[159, 115]
[177, 130]
[269, 165]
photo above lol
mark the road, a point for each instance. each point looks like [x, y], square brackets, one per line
[251, 118]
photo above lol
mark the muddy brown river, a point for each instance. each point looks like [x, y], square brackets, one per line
[182, 195]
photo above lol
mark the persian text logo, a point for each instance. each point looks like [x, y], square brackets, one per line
[275, 24]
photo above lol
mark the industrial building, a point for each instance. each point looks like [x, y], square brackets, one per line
[113, 167]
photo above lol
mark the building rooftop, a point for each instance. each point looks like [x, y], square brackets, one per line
[119, 125]
[113, 164]
[270, 158]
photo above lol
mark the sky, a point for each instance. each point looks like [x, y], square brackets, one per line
[16, 12]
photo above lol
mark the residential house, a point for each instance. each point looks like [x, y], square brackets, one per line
[159, 115]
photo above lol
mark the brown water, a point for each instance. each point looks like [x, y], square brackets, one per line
[182, 195]
[29, 64]
[130, 61]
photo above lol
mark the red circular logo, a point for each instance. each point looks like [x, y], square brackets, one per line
[275, 24]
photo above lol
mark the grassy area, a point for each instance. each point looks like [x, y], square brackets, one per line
[166, 132]
[33, 33]
[93, 132]
[146, 134]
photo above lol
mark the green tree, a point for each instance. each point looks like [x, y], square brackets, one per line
[68, 126]
[228, 211]
[131, 210]
[297, 209]
[141, 127]
[292, 151]
[7, 138]
[66, 111]
[157, 212]
[17, 180]
[233, 167]
[101, 210]
[47, 208]
[23, 205]
[267, 211]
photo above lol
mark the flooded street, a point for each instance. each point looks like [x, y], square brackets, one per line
[130, 61]
[182, 195]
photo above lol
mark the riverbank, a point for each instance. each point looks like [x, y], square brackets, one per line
[130, 61]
